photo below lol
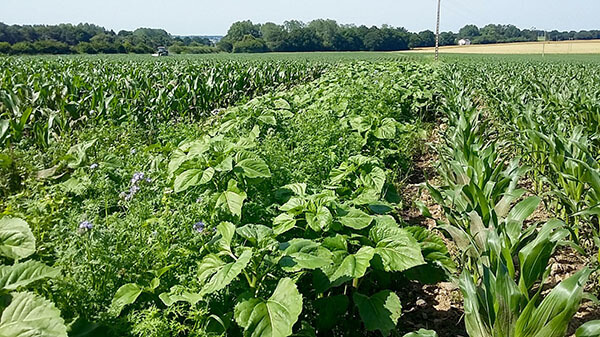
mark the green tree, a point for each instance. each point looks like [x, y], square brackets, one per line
[275, 36]
[448, 39]
[305, 39]
[22, 48]
[51, 47]
[250, 44]
[468, 32]
[326, 30]
[225, 45]
[239, 30]
[4, 48]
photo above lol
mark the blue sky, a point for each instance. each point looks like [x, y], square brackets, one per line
[187, 17]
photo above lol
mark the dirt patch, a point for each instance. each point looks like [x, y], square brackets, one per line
[435, 307]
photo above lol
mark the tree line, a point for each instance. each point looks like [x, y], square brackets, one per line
[248, 37]
[92, 39]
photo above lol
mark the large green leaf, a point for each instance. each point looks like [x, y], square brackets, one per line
[387, 130]
[535, 255]
[283, 223]
[354, 265]
[22, 274]
[397, 248]
[219, 275]
[375, 179]
[274, 317]
[321, 220]
[16, 239]
[29, 315]
[76, 155]
[380, 311]
[187, 179]
[225, 230]
[356, 219]
[475, 323]
[127, 294]
[422, 333]
[176, 295]
[304, 254]
[257, 235]
[254, 168]
[232, 201]
[589, 329]
[207, 176]
[551, 318]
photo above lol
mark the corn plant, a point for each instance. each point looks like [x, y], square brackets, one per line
[45, 99]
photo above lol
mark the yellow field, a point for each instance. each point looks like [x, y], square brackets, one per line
[550, 47]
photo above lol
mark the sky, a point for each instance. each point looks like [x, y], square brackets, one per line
[201, 17]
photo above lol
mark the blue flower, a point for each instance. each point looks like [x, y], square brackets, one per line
[135, 187]
[86, 225]
[199, 226]
[132, 151]
[137, 177]
[93, 166]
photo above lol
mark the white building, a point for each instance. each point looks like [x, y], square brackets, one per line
[464, 42]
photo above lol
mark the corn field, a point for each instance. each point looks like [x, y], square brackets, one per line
[295, 195]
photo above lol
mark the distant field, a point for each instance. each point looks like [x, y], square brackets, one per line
[561, 47]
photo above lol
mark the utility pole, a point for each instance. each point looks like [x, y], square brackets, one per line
[437, 31]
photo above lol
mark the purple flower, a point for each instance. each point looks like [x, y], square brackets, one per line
[135, 187]
[86, 225]
[93, 166]
[199, 226]
[137, 177]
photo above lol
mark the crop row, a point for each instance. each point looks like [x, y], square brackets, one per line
[44, 99]
[518, 123]
[275, 217]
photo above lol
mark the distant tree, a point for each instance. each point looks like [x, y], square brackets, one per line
[22, 48]
[250, 44]
[448, 39]
[275, 36]
[468, 32]
[85, 48]
[153, 37]
[239, 30]
[373, 39]
[305, 39]
[293, 25]
[326, 30]
[51, 47]
[584, 35]
[386, 39]
[427, 38]
[4, 48]
[225, 45]
[348, 39]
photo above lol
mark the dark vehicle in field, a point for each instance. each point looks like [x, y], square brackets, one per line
[161, 51]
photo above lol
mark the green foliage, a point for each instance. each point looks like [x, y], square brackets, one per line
[211, 214]
[26, 314]
[506, 261]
